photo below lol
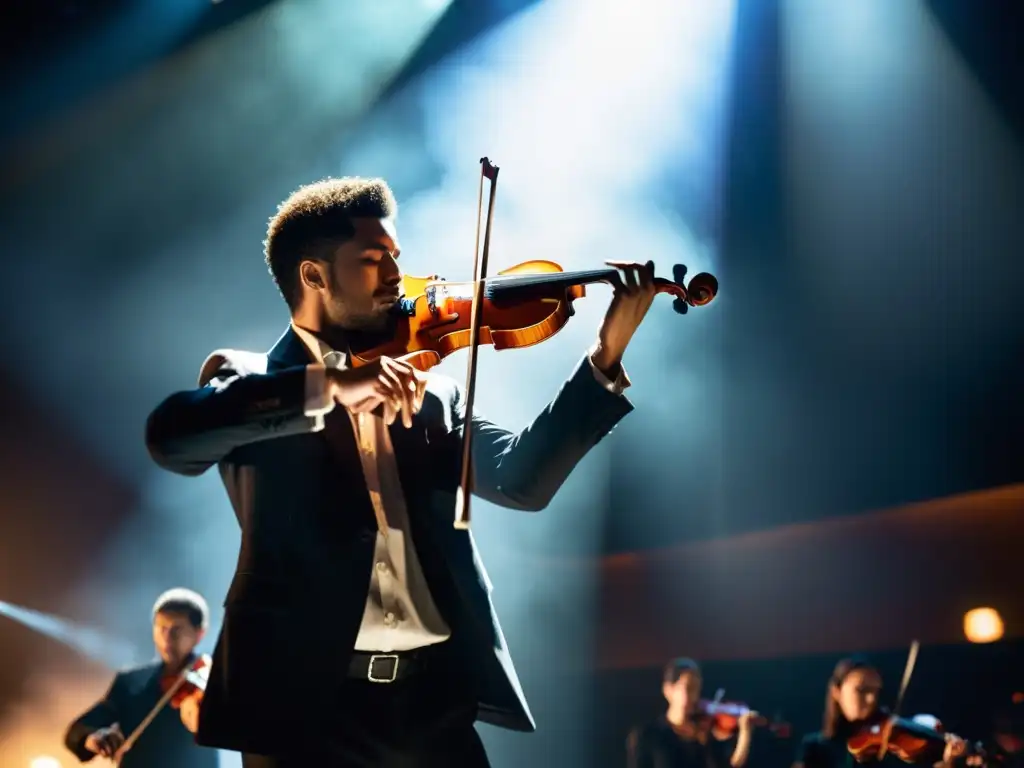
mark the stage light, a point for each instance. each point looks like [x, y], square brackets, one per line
[44, 761]
[983, 625]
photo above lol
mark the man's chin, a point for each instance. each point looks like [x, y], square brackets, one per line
[380, 320]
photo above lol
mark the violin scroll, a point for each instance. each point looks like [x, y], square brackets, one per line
[701, 289]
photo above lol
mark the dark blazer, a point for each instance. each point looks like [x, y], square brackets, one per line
[297, 598]
[165, 743]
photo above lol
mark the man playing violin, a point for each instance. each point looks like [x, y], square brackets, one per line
[682, 737]
[359, 628]
[180, 618]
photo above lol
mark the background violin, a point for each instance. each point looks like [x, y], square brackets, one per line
[909, 740]
[724, 718]
[188, 684]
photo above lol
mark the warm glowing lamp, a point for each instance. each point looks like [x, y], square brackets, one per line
[44, 761]
[983, 625]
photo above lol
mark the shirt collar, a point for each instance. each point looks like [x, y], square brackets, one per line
[320, 350]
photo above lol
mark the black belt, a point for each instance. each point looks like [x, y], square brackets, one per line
[384, 667]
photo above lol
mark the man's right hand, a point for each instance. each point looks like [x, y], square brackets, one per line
[392, 383]
[105, 741]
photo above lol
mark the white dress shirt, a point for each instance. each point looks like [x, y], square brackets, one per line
[400, 612]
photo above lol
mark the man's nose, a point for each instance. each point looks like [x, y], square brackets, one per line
[390, 271]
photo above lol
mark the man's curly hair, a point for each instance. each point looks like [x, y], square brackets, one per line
[315, 219]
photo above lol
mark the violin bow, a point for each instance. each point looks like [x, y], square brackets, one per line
[908, 670]
[462, 498]
[134, 735]
[183, 677]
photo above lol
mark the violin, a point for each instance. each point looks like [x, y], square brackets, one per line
[909, 740]
[723, 717]
[920, 740]
[190, 683]
[519, 307]
[522, 306]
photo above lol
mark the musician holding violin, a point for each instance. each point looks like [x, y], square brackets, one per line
[359, 627]
[693, 732]
[149, 715]
[857, 729]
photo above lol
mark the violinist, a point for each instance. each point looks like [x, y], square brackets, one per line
[852, 708]
[359, 628]
[684, 737]
[180, 618]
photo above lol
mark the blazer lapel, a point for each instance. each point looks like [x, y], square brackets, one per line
[288, 352]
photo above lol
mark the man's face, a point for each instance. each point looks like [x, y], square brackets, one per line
[174, 636]
[684, 693]
[364, 280]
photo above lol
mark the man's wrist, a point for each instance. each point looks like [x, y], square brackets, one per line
[608, 363]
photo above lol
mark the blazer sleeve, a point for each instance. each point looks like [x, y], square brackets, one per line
[237, 403]
[102, 714]
[524, 470]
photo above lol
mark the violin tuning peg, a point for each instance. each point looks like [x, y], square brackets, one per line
[679, 274]
[680, 306]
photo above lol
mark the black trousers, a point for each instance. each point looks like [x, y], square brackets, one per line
[421, 721]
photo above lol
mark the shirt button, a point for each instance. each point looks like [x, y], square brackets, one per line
[382, 566]
[389, 619]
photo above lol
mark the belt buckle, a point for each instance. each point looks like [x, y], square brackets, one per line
[374, 658]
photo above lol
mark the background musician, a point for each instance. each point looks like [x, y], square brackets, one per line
[851, 700]
[681, 738]
[180, 618]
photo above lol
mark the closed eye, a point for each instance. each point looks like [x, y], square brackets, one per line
[377, 252]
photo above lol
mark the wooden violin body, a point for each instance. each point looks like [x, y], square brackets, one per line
[190, 683]
[522, 306]
[904, 739]
[908, 740]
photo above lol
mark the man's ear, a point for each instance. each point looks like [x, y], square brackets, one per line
[311, 275]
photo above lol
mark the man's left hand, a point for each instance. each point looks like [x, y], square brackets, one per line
[634, 294]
